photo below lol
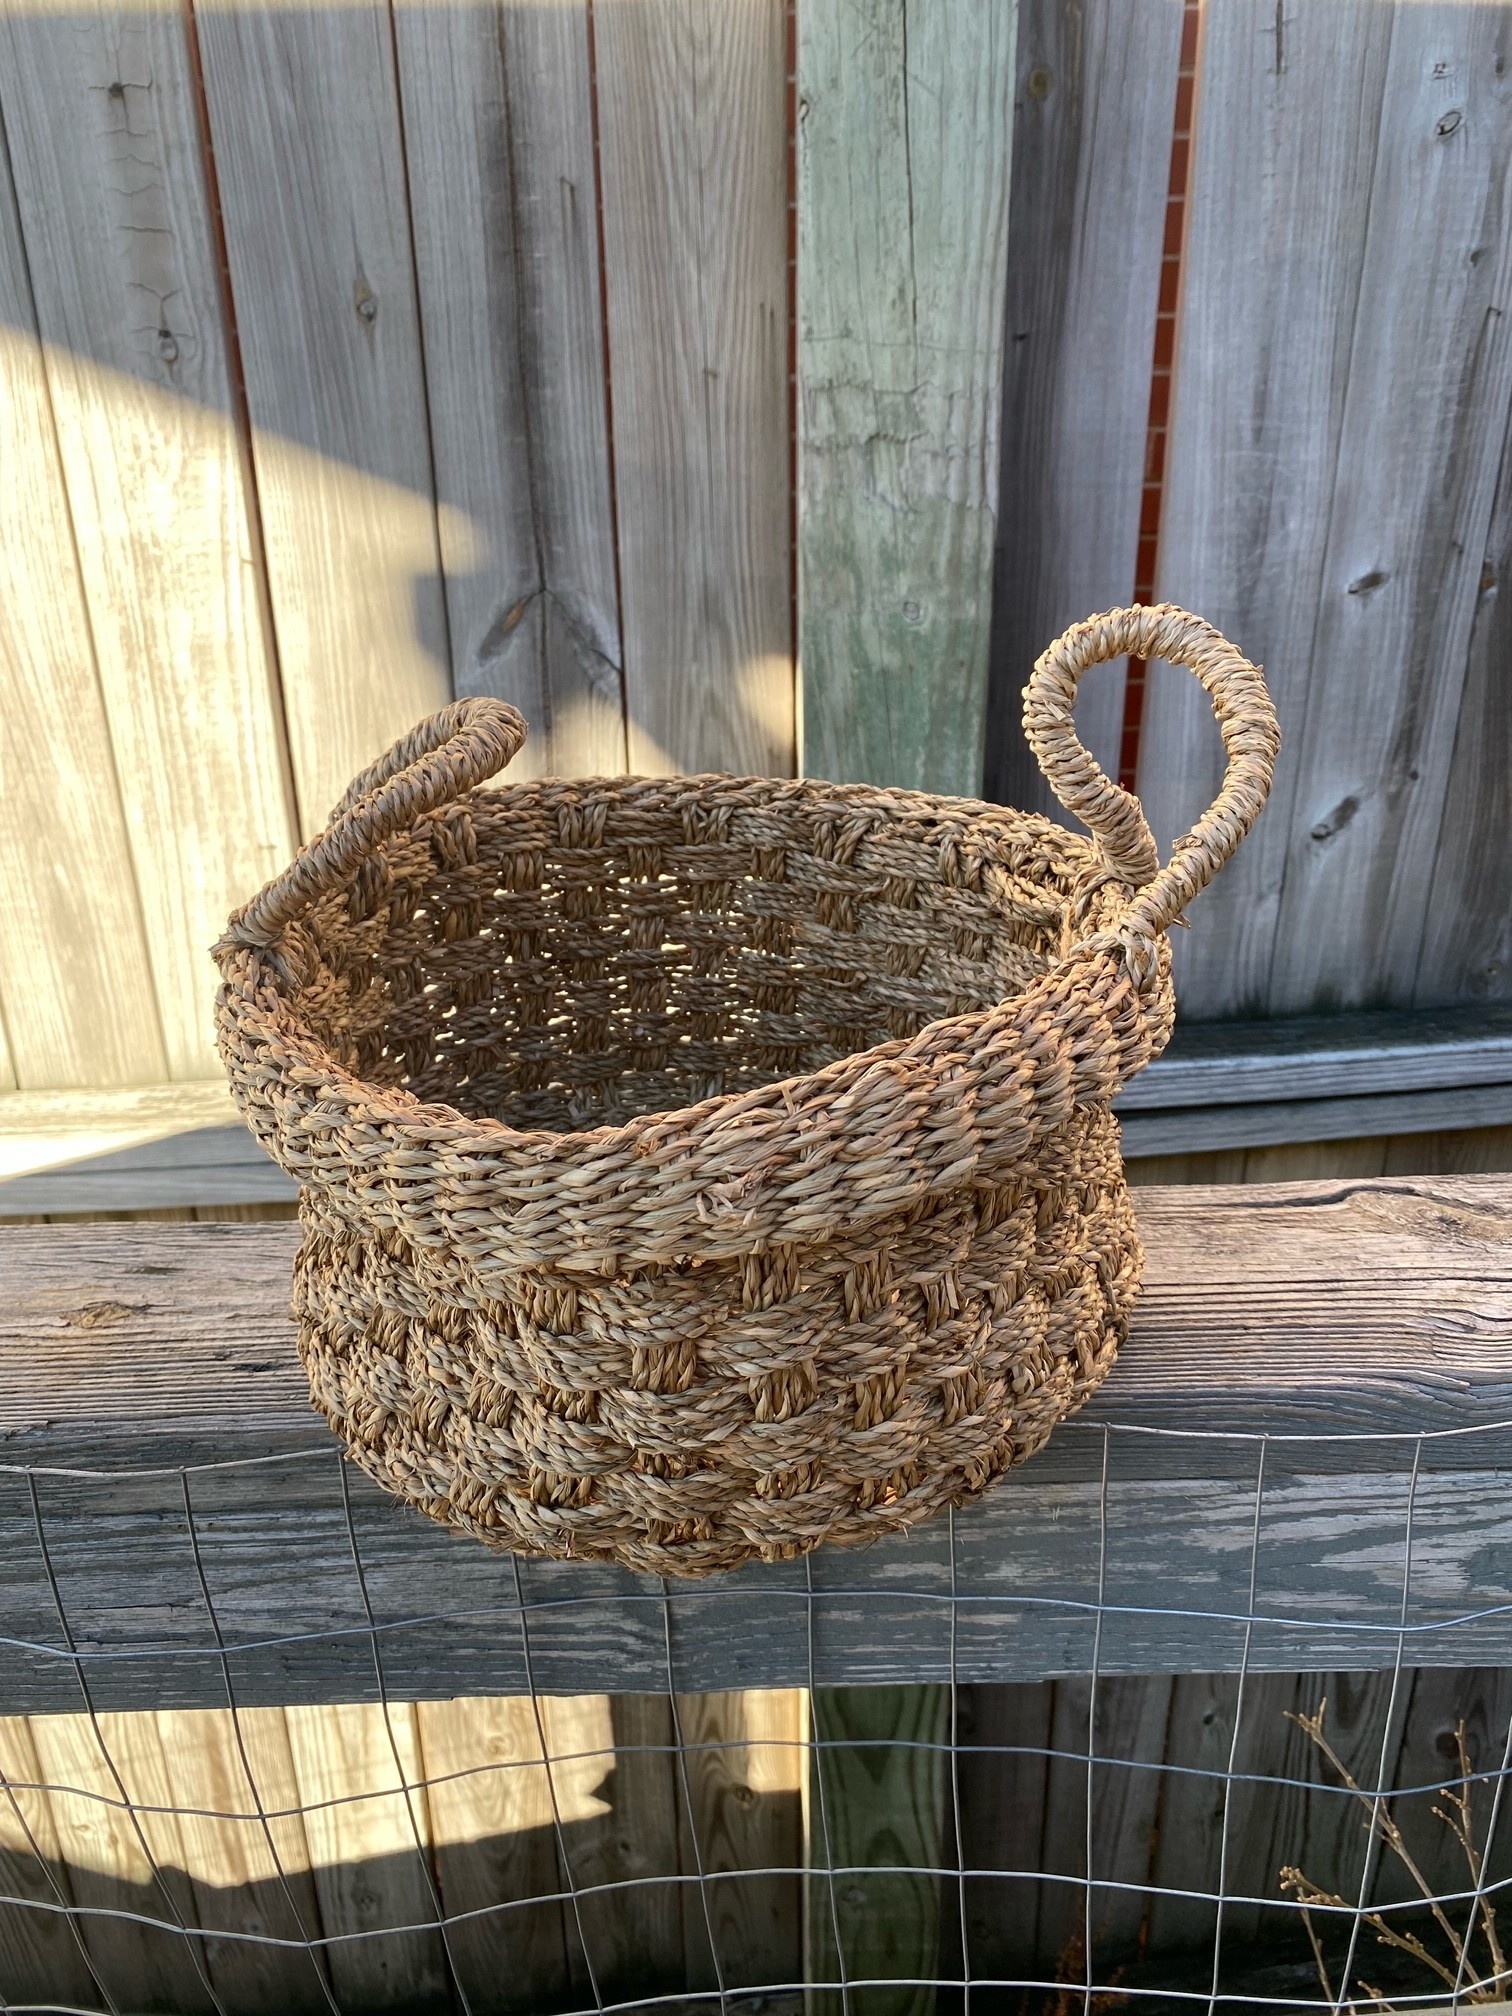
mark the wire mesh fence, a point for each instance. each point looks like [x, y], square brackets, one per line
[1242, 1825]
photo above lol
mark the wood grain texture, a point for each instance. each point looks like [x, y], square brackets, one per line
[370, 1846]
[876, 1821]
[904, 150]
[498, 137]
[304, 119]
[1353, 1307]
[248, 1874]
[1085, 237]
[124, 1866]
[43, 1952]
[1467, 944]
[633, 1934]
[75, 980]
[692, 131]
[1475, 1151]
[117, 220]
[1362, 356]
[1119, 1719]
[490, 1804]
[742, 1824]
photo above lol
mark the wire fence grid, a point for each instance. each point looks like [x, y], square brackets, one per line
[1082, 1843]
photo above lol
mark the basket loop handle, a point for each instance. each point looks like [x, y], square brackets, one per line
[1251, 737]
[443, 756]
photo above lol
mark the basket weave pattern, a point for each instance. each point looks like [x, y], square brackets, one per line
[702, 1168]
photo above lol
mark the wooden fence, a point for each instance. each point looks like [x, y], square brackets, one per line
[622, 358]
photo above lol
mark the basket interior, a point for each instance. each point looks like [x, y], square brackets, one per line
[567, 956]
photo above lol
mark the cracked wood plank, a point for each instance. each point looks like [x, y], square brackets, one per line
[1085, 237]
[1343, 382]
[306, 128]
[693, 146]
[117, 221]
[499, 138]
[905, 123]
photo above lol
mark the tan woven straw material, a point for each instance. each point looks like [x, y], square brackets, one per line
[701, 1168]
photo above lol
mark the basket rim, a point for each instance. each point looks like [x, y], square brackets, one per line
[959, 811]
[737, 1171]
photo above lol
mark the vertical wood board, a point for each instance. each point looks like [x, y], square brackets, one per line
[1342, 387]
[123, 1867]
[1467, 943]
[693, 148]
[495, 1843]
[370, 1846]
[75, 980]
[249, 1871]
[1085, 236]
[877, 1814]
[742, 1826]
[498, 131]
[43, 1953]
[905, 125]
[305, 124]
[117, 222]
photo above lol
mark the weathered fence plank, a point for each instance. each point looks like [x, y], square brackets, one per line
[42, 1951]
[305, 125]
[110, 1857]
[119, 233]
[490, 1803]
[499, 148]
[746, 1761]
[1467, 944]
[1316, 1311]
[75, 981]
[1085, 237]
[693, 149]
[904, 146]
[352, 1763]
[1324, 366]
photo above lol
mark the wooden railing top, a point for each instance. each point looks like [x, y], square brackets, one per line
[1314, 1369]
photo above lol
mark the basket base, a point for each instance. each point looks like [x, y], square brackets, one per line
[684, 1419]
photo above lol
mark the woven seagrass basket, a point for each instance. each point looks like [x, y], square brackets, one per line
[700, 1168]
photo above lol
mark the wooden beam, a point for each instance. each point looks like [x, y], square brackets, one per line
[1317, 1310]
[1185, 1130]
[1327, 1057]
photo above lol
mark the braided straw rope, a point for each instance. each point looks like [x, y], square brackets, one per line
[698, 1168]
